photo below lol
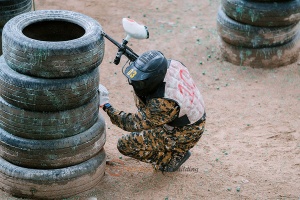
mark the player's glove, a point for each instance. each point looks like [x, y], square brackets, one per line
[104, 99]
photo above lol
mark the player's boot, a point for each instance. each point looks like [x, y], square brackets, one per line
[176, 162]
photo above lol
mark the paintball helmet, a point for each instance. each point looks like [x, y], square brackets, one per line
[147, 72]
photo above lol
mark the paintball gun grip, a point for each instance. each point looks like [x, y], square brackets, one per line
[118, 57]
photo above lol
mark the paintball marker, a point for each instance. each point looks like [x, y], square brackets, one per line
[133, 30]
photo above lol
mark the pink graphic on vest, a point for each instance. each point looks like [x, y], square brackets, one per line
[181, 88]
[188, 89]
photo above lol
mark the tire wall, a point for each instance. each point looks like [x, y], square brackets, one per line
[259, 33]
[52, 135]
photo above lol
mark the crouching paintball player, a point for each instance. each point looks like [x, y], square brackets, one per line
[170, 119]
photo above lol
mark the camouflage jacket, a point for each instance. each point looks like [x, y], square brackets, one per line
[155, 112]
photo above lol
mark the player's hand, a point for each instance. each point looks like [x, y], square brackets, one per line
[103, 95]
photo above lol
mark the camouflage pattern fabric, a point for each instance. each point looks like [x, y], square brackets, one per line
[151, 140]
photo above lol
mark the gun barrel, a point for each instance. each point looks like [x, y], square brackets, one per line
[111, 39]
[123, 49]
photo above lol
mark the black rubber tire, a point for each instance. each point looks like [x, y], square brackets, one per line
[271, 57]
[244, 35]
[48, 125]
[263, 13]
[52, 184]
[0, 41]
[51, 154]
[53, 43]
[47, 95]
[12, 8]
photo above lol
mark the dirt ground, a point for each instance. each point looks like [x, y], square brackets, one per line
[251, 146]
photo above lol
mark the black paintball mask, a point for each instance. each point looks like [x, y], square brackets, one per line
[147, 72]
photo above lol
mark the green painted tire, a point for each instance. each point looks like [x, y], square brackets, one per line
[271, 57]
[265, 14]
[244, 35]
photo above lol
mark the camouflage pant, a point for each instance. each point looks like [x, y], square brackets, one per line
[159, 146]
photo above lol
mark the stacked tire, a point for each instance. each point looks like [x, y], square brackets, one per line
[10, 9]
[51, 132]
[259, 33]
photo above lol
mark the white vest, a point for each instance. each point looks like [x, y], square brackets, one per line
[181, 88]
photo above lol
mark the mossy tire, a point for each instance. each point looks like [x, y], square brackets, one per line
[245, 35]
[271, 57]
[265, 14]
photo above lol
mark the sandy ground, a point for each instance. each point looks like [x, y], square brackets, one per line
[251, 146]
